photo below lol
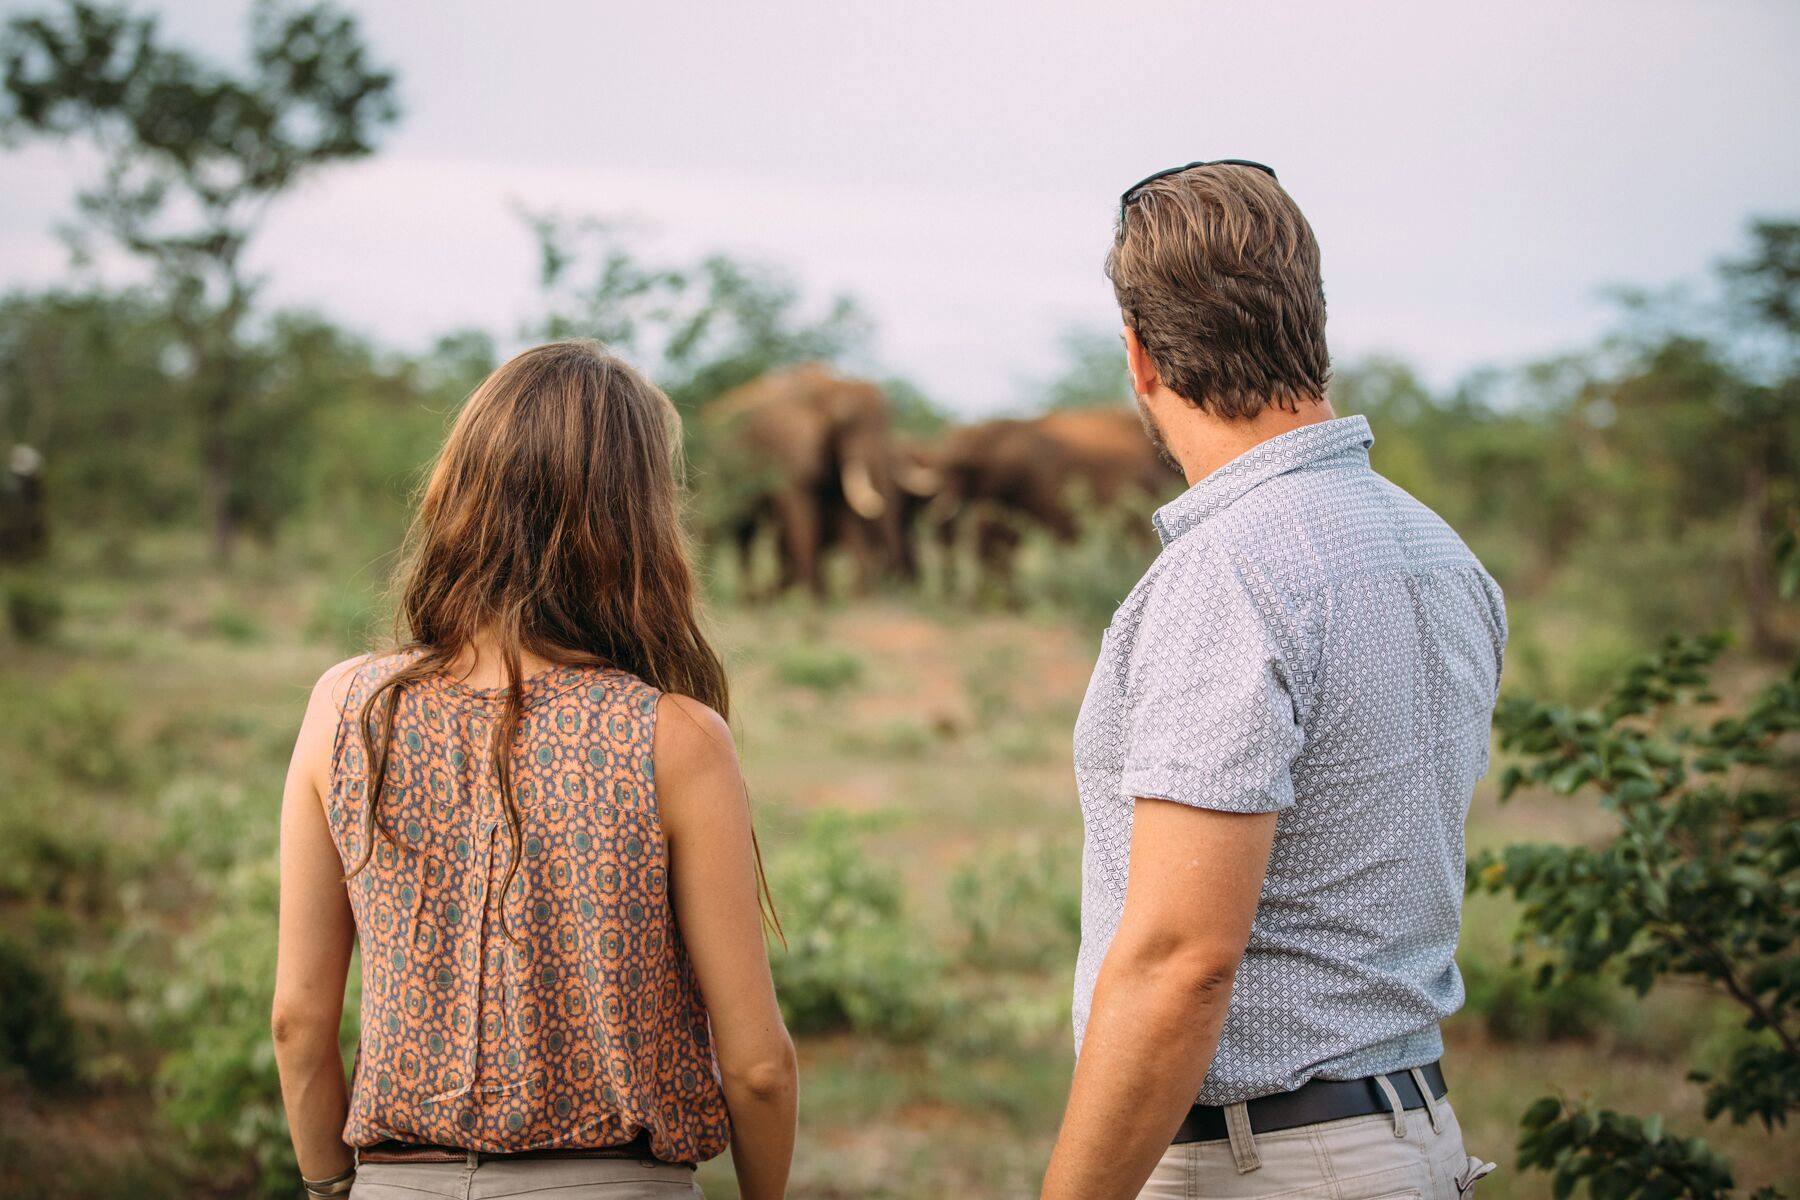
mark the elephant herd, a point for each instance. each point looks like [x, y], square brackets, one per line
[812, 458]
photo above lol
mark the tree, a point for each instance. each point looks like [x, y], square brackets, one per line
[1700, 883]
[1763, 290]
[700, 328]
[1093, 375]
[193, 156]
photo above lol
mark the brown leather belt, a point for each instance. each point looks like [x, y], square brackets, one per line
[415, 1152]
[1314, 1103]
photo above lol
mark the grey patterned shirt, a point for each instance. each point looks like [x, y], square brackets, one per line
[1312, 641]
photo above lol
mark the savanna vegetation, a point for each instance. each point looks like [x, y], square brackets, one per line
[223, 485]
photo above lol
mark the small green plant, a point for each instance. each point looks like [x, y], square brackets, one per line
[218, 1082]
[822, 668]
[1089, 577]
[853, 961]
[79, 728]
[48, 862]
[1020, 910]
[1699, 883]
[903, 737]
[37, 1038]
[34, 610]
[236, 625]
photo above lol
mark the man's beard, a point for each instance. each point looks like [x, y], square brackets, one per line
[1155, 434]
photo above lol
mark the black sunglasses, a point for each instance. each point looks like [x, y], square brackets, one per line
[1131, 193]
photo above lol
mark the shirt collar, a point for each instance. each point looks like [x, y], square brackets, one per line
[1288, 452]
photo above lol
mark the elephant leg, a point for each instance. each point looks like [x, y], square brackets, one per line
[744, 539]
[946, 533]
[855, 536]
[797, 516]
[902, 553]
[996, 541]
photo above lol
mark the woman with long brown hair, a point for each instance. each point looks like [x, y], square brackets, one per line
[530, 819]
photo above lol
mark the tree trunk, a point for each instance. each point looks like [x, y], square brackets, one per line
[217, 461]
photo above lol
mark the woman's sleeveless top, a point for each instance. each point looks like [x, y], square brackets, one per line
[590, 1031]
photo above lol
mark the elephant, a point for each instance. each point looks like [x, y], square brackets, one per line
[1008, 474]
[810, 454]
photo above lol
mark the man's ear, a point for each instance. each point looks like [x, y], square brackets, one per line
[1144, 377]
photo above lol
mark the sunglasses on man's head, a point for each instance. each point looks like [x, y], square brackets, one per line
[1131, 193]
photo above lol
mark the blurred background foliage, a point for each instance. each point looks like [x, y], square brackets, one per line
[223, 484]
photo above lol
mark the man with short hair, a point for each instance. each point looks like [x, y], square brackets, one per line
[1275, 756]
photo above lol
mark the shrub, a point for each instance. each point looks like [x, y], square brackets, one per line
[1020, 910]
[79, 728]
[34, 610]
[235, 625]
[821, 668]
[45, 861]
[1698, 884]
[1088, 578]
[852, 961]
[900, 738]
[219, 1085]
[1518, 1005]
[37, 1038]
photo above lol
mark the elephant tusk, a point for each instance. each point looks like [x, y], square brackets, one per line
[859, 489]
[921, 481]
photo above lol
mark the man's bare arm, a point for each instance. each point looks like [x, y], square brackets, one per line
[1160, 999]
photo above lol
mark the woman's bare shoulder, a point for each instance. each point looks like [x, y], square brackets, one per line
[333, 687]
[693, 743]
[313, 749]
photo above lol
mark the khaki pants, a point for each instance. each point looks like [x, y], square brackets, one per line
[1383, 1157]
[564, 1178]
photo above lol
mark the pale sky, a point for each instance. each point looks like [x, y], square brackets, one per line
[1477, 173]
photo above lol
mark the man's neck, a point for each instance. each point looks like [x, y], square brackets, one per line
[1202, 443]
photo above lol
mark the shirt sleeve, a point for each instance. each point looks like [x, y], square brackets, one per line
[1211, 718]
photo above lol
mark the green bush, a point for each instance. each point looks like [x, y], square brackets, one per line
[218, 1081]
[1521, 1006]
[34, 610]
[822, 668]
[37, 1038]
[1020, 910]
[46, 862]
[903, 737]
[79, 728]
[236, 625]
[1696, 884]
[1088, 578]
[853, 961]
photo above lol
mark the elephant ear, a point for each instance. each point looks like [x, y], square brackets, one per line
[860, 492]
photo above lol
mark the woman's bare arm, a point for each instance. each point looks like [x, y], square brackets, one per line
[712, 872]
[313, 953]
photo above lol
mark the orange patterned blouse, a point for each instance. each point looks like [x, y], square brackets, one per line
[590, 1033]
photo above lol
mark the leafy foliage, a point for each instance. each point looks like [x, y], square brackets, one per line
[1700, 883]
[37, 1037]
[698, 328]
[1020, 910]
[193, 154]
[853, 961]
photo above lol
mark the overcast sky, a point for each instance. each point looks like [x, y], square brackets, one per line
[1477, 174]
